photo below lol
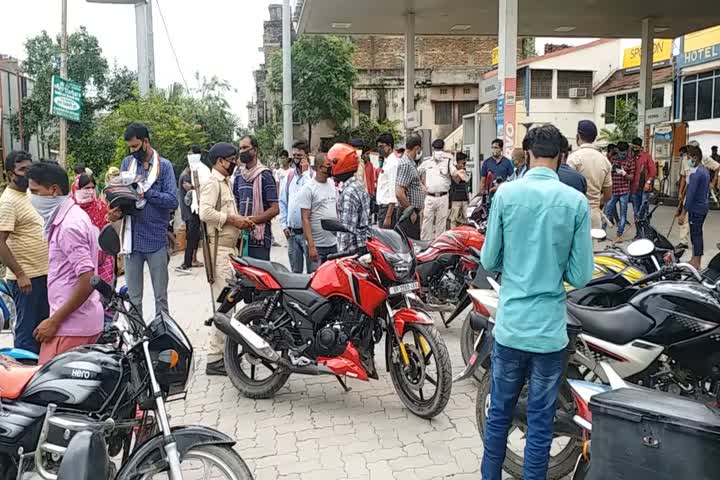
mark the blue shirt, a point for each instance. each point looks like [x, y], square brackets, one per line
[289, 199]
[698, 189]
[538, 235]
[500, 169]
[571, 178]
[150, 226]
[243, 192]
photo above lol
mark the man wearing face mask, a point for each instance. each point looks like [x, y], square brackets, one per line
[290, 216]
[76, 313]
[256, 195]
[500, 166]
[437, 173]
[144, 236]
[23, 249]
[318, 201]
[219, 212]
[408, 188]
[354, 202]
[385, 192]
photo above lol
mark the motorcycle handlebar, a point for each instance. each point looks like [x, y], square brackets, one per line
[101, 286]
[349, 253]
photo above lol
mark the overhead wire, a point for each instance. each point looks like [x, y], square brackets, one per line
[172, 47]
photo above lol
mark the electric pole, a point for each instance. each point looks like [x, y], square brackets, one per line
[64, 74]
[287, 78]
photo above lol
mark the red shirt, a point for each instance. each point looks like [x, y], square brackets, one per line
[370, 179]
[645, 171]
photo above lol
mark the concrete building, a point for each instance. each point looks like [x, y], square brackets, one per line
[698, 86]
[14, 87]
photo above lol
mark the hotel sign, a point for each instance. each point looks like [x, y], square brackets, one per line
[700, 47]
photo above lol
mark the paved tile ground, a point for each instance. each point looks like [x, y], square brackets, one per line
[313, 430]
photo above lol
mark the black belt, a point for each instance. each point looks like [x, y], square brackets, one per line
[437, 194]
[297, 231]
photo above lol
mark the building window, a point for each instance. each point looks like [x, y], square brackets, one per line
[364, 107]
[541, 83]
[521, 84]
[443, 113]
[568, 80]
[464, 108]
[443, 91]
[466, 91]
[658, 100]
[701, 96]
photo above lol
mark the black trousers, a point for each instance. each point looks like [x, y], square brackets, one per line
[412, 230]
[382, 211]
[192, 236]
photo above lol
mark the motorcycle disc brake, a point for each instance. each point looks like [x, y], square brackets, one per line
[414, 373]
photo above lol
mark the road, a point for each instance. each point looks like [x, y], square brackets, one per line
[313, 430]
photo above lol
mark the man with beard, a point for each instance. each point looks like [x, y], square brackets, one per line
[219, 211]
[256, 196]
[24, 251]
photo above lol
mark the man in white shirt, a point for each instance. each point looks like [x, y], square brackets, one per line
[435, 173]
[385, 194]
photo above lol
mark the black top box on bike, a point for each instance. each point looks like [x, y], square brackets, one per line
[643, 434]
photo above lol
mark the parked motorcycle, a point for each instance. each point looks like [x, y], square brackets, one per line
[102, 388]
[328, 323]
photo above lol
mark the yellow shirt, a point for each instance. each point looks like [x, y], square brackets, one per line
[27, 239]
[595, 167]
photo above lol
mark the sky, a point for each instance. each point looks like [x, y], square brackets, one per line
[213, 37]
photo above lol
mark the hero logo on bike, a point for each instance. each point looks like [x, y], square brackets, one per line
[78, 373]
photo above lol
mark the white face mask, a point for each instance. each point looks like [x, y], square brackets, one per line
[46, 207]
[85, 196]
[419, 155]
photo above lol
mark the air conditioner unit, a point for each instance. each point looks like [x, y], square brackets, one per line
[578, 92]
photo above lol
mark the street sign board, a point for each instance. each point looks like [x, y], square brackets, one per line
[66, 99]
[657, 115]
[489, 90]
[412, 120]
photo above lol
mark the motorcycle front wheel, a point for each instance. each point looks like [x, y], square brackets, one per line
[209, 461]
[253, 377]
[423, 384]
[564, 451]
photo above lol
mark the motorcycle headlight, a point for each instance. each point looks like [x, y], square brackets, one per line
[402, 263]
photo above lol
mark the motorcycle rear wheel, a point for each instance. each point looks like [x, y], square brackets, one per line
[410, 380]
[236, 361]
[220, 459]
[562, 462]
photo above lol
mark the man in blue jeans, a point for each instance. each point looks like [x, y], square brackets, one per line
[144, 236]
[552, 221]
[290, 214]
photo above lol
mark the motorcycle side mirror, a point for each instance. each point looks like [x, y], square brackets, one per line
[331, 225]
[598, 234]
[406, 214]
[109, 241]
[641, 248]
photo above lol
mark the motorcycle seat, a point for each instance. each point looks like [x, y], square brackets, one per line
[13, 378]
[286, 279]
[619, 325]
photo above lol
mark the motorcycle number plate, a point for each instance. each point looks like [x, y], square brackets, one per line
[404, 288]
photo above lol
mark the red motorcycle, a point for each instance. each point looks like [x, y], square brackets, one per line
[328, 323]
[447, 267]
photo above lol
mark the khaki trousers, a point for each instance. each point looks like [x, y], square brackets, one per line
[435, 217]
[223, 272]
[457, 214]
[596, 217]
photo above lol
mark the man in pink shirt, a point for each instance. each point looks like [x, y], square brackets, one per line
[642, 182]
[76, 312]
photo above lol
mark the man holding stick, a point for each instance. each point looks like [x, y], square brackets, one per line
[219, 211]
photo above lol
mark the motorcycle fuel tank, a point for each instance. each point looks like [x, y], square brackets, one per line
[85, 378]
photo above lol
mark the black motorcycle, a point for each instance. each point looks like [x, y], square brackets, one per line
[119, 389]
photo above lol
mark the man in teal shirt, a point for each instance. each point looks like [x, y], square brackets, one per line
[538, 236]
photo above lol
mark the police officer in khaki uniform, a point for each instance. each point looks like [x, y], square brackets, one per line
[219, 212]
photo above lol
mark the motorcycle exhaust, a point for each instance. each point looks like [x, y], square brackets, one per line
[253, 342]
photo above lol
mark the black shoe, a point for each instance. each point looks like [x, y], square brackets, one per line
[216, 368]
[682, 246]
[183, 270]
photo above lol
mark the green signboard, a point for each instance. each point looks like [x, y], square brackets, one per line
[66, 99]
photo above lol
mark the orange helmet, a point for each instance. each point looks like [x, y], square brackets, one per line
[343, 159]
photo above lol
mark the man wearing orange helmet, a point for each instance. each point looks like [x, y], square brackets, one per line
[354, 202]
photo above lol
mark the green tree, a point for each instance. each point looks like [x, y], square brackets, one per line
[626, 122]
[323, 74]
[368, 130]
[212, 110]
[269, 138]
